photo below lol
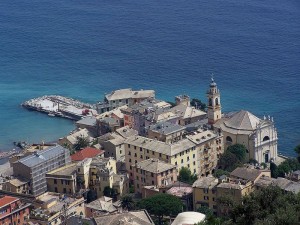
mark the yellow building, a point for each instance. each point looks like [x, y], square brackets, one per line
[62, 180]
[83, 173]
[209, 147]
[16, 185]
[204, 193]
[153, 172]
[103, 173]
[181, 154]
[241, 182]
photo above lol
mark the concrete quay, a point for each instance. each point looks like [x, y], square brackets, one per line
[55, 105]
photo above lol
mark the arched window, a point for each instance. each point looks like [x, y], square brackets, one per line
[228, 140]
[266, 138]
[210, 102]
[217, 101]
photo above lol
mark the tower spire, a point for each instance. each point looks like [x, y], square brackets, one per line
[214, 104]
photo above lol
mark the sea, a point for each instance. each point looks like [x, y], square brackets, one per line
[86, 48]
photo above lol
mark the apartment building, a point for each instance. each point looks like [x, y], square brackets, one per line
[16, 185]
[209, 148]
[113, 144]
[181, 154]
[146, 113]
[63, 179]
[34, 167]
[53, 209]
[241, 182]
[13, 211]
[153, 172]
[122, 97]
[166, 132]
[204, 193]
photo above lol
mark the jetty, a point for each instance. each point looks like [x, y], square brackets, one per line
[56, 105]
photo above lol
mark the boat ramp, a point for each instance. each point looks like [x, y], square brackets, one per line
[55, 105]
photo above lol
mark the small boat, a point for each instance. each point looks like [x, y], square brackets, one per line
[51, 114]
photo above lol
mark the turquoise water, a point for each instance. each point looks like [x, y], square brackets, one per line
[83, 49]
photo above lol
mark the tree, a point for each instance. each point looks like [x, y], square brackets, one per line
[268, 206]
[239, 151]
[220, 172]
[127, 202]
[161, 205]
[198, 104]
[110, 192]
[233, 157]
[81, 142]
[186, 176]
[285, 167]
[297, 150]
[205, 210]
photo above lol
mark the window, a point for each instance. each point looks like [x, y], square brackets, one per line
[128, 145]
[141, 149]
[147, 151]
[120, 151]
[55, 189]
[62, 181]
[65, 190]
[130, 160]
[205, 190]
[188, 158]
[134, 147]
[176, 163]
[129, 153]
[229, 139]
[159, 154]
[152, 175]
[55, 181]
[206, 198]
[175, 156]
[194, 163]
[217, 101]
[152, 182]
[78, 170]
[181, 160]
[188, 165]
[167, 157]
[135, 155]
[141, 156]
[266, 138]
[194, 156]
[153, 153]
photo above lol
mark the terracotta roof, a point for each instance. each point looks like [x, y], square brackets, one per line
[6, 200]
[86, 153]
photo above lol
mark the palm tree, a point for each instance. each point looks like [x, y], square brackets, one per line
[81, 142]
[127, 202]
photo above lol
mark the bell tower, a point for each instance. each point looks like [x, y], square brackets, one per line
[214, 103]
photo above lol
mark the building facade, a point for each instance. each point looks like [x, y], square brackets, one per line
[12, 211]
[62, 180]
[153, 172]
[34, 167]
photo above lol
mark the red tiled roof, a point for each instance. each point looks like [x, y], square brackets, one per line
[86, 153]
[6, 200]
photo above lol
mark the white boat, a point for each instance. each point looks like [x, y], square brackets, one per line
[51, 114]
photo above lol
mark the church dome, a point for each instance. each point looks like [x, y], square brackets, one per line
[242, 120]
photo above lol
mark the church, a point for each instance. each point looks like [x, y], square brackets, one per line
[258, 135]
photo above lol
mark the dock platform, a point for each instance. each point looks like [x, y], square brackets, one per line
[56, 105]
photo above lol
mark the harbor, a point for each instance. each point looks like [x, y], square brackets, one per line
[56, 105]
